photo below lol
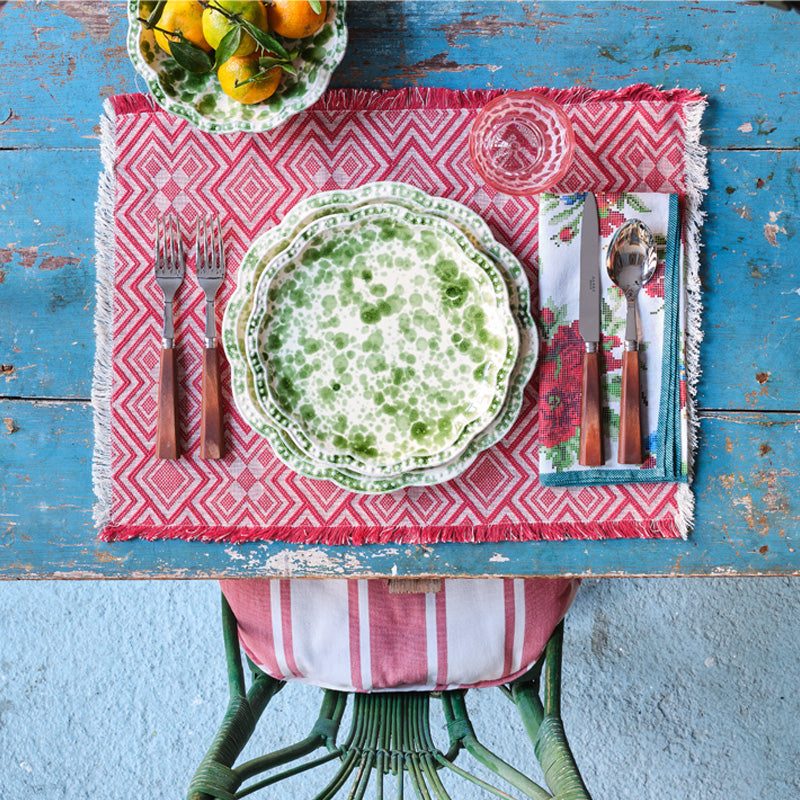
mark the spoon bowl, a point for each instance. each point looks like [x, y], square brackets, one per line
[630, 263]
[631, 260]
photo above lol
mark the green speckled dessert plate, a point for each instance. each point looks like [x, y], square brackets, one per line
[382, 340]
[199, 98]
[273, 241]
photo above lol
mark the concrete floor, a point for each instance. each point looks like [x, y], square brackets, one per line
[673, 689]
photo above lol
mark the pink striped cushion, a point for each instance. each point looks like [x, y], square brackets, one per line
[354, 635]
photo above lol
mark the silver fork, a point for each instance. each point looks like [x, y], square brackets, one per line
[169, 270]
[210, 267]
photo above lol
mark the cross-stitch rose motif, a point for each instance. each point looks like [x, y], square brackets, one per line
[561, 401]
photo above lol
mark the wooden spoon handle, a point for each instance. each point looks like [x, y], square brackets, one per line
[630, 430]
[590, 453]
[211, 436]
[167, 425]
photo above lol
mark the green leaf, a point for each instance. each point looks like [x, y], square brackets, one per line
[634, 202]
[228, 45]
[267, 42]
[266, 63]
[316, 6]
[191, 57]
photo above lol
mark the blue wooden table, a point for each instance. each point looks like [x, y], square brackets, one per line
[60, 60]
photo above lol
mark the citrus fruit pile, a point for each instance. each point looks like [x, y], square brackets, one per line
[244, 41]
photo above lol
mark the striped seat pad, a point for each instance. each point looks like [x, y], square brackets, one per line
[355, 635]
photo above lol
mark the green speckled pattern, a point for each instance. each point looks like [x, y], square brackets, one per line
[273, 241]
[384, 338]
[199, 98]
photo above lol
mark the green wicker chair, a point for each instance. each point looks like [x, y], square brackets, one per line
[389, 739]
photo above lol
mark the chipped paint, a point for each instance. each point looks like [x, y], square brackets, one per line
[746, 501]
[746, 127]
[744, 212]
[752, 397]
[762, 377]
[10, 425]
[93, 17]
[771, 232]
[30, 257]
[485, 25]
[775, 499]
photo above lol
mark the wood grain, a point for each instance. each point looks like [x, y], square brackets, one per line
[590, 452]
[212, 444]
[168, 423]
[630, 426]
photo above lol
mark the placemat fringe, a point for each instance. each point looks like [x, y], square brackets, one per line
[349, 535]
[104, 317]
[696, 171]
[685, 518]
[409, 98]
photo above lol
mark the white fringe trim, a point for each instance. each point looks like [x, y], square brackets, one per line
[104, 318]
[696, 185]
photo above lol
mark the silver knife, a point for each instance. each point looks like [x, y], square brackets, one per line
[590, 453]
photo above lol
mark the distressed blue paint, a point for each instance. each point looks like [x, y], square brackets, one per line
[747, 476]
[748, 518]
[746, 56]
[751, 282]
[47, 273]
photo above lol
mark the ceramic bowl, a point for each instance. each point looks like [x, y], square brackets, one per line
[199, 98]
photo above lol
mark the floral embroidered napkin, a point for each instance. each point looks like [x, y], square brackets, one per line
[661, 323]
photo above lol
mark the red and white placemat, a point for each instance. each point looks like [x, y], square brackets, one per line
[637, 140]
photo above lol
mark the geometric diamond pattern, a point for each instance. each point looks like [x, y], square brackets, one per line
[625, 141]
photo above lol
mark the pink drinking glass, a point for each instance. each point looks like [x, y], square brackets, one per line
[521, 143]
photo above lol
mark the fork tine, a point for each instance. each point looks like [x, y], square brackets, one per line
[180, 264]
[198, 231]
[157, 256]
[220, 266]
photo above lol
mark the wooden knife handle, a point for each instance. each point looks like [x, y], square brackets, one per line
[167, 426]
[211, 437]
[591, 446]
[630, 430]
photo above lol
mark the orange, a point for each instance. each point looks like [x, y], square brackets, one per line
[238, 69]
[295, 19]
[181, 16]
[216, 24]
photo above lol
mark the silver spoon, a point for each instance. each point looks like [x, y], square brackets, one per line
[630, 262]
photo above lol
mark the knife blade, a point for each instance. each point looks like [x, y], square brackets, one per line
[590, 453]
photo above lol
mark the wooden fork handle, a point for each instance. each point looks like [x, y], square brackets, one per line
[167, 428]
[630, 430]
[211, 437]
[590, 453]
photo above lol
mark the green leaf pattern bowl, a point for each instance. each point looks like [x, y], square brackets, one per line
[239, 311]
[199, 98]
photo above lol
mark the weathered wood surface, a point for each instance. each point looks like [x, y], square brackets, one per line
[58, 61]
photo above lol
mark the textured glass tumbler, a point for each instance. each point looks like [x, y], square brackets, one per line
[521, 143]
